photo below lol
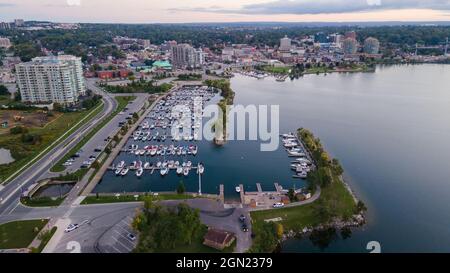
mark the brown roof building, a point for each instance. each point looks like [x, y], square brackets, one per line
[218, 239]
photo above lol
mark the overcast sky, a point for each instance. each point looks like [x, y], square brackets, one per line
[179, 11]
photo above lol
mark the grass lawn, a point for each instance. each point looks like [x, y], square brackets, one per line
[130, 198]
[26, 154]
[296, 218]
[122, 103]
[45, 238]
[20, 234]
[277, 69]
[42, 202]
[197, 246]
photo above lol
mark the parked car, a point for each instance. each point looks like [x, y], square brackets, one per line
[131, 236]
[278, 205]
[242, 218]
[244, 227]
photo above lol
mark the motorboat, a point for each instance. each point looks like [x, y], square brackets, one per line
[124, 171]
[133, 165]
[164, 171]
[186, 171]
[179, 169]
[147, 165]
[238, 189]
[118, 171]
[139, 172]
[200, 168]
[120, 165]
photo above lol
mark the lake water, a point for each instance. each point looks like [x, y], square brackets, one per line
[390, 130]
[5, 156]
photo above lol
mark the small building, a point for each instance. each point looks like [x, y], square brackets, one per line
[218, 239]
[105, 74]
[285, 200]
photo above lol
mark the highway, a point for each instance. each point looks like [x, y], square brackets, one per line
[10, 193]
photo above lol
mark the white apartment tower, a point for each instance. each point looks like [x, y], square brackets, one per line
[51, 79]
[184, 55]
[285, 44]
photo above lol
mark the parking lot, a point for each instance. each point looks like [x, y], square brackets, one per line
[91, 150]
[106, 232]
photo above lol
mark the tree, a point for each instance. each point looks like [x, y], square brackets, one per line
[4, 90]
[279, 230]
[292, 196]
[181, 188]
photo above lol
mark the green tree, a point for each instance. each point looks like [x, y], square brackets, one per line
[181, 188]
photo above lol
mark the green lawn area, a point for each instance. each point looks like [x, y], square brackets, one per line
[45, 237]
[26, 154]
[122, 103]
[20, 234]
[277, 69]
[318, 70]
[296, 218]
[197, 246]
[130, 198]
[42, 202]
[5, 100]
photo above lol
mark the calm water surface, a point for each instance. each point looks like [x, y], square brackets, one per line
[390, 130]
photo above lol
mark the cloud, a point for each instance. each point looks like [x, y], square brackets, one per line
[6, 5]
[326, 6]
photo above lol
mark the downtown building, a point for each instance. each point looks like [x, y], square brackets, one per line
[54, 79]
[185, 56]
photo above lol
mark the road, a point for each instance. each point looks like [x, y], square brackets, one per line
[109, 130]
[10, 193]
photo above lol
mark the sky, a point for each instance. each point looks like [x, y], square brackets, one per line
[184, 11]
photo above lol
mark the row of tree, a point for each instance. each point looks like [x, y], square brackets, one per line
[163, 228]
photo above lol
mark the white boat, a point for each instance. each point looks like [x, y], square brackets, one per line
[238, 189]
[200, 169]
[121, 165]
[164, 171]
[185, 171]
[158, 165]
[118, 171]
[139, 172]
[133, 165]
[179, 170]
[147, 165]
[124, 171]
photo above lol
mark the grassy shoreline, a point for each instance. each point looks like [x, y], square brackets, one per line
[335, 207]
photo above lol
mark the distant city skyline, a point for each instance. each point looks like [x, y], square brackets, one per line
[196, 11]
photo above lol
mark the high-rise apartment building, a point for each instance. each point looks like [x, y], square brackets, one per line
[285, 44]
[350, 46]
[185, 56]
[51, 79]
[371, 46]
[5, 42]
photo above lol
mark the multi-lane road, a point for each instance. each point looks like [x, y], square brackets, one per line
[10, 193]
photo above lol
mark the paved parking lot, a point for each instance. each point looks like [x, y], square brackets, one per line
[105, 232]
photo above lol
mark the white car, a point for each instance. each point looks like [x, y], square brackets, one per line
[71, 227]
[278, 205]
